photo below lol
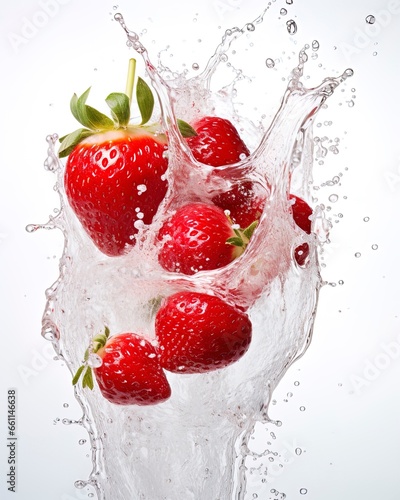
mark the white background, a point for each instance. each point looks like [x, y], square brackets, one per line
[349, 430]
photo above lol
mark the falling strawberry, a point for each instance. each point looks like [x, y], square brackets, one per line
[114, 176]
[199, 333]
[217, 143]
[200, 237]
[301, 212]
[128, 370]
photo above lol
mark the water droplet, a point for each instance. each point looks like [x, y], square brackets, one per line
[250, 27]
[315, 45]
[333, 198]
[94, 360]
[66, 405]
[289, 2]
[350, 103]
[291, 27]
[341, 282]
[374, 53]
[374, 246]
[283, 12]
[223, 57]
[357, 255]
[82, 441]
[297, 383]
[370, 19]
[270, 63]
[366, 219]
[298, 451]
[80, 484]
[303, 491]
[195, 66]
[302, 408]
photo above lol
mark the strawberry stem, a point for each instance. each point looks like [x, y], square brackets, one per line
[130, 79]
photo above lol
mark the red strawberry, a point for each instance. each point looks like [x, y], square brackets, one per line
[301, 212]
[244, 201]
[130, 371]
[199, 237]
[114, 174]
[218, 143]
[199, 333]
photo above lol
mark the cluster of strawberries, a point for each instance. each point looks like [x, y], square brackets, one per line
[114, 167]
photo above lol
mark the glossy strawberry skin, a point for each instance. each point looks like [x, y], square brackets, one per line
[131, 372]
[301, 212]
[244, 202]
[199, 333]
[217, 142]
[113, 181]
[194, 239]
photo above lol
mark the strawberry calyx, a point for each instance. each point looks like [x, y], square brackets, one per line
[95, 122]
[85, 370]
[242, 236]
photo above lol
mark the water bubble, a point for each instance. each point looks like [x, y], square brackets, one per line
[297, 383]
[374, 246]
[370, 19]
[250, 27]
[366, 219]
[94, 360]
[195, 66]
[303, 491]
[289, 2]
[341, 282]
[291, 27]
[66, 405]
[223, 57]
[80, 484]
[302, 408]
[315, 45]
[82, 441]
[270, 63]
[298, 451]
[357, 255]
[333, 198]
[374, 53]
[283, 12]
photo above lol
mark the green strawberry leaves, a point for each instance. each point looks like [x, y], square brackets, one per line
[85, 370]
[145, 100]
[242, 236]
[94, 121]
[120, 109]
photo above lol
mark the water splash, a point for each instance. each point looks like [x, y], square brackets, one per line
[206, 424]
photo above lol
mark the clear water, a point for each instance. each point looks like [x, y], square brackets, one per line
[195, 445]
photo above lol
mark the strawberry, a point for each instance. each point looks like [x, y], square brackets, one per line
[200, 237]
[218, 143]
[244, 201]
[301, 212]
[127, 370]
[114, 175]
[199, 333]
